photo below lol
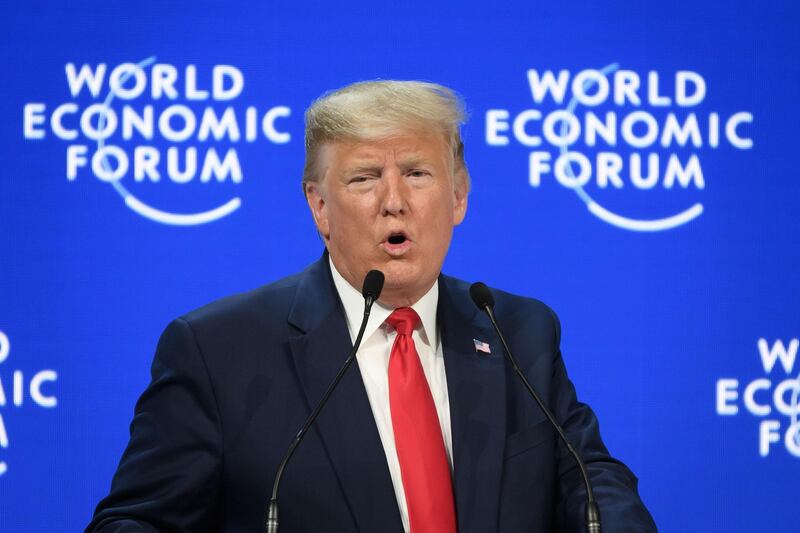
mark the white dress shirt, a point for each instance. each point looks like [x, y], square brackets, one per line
[373, 361]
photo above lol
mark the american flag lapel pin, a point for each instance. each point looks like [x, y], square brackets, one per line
[482, 347]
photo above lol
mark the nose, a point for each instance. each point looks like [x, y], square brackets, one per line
[395, 194]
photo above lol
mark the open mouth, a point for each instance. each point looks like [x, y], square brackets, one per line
[397, 244]
[396, 238]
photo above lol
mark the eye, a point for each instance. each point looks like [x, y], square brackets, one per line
[361, 183]
[355, 180]
[418, 173]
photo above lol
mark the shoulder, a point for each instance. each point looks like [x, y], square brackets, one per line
[270, 302]
[514, 312]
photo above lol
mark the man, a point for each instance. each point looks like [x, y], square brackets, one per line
[430, 432]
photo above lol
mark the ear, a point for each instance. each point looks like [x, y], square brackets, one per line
[460, 193]
[315, 196]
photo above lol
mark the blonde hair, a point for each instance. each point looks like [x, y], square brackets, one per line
[371, 110]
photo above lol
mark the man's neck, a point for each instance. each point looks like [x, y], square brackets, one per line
[353, 303]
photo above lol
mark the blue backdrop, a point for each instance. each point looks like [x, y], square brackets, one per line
[633, 166]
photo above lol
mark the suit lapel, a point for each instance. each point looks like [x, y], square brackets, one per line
[346, 425]
[476, 387]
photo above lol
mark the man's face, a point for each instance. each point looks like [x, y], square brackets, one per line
[390, 205]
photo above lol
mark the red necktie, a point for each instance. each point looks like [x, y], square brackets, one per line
[418, 435]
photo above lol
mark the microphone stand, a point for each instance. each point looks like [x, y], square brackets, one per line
[483, 300]
[370, 296]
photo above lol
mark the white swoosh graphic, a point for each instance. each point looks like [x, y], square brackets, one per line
[157, 215]
[633, 224]
[177, 219]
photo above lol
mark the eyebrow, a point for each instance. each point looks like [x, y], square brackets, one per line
[413, 161]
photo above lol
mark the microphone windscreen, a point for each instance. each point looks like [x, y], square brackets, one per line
[481, 295]
[373, 284]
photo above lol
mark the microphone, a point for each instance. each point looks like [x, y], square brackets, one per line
[371, 290]
[483, 299]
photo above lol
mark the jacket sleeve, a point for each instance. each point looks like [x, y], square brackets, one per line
[613, 484]
[169, 475]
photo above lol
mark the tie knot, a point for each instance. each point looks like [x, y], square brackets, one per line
[403, 320]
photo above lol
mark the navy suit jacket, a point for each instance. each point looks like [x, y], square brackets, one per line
[234, 381]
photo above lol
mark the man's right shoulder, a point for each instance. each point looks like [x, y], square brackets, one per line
[265, 304]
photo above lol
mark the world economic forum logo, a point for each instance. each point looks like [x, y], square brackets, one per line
[148, 125]
[768, 397]
[613, 133]
[22, 389]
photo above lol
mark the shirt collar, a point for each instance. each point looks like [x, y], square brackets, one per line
[353, 303]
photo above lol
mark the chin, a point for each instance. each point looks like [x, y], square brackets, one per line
[399, 276]
[397, 273]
